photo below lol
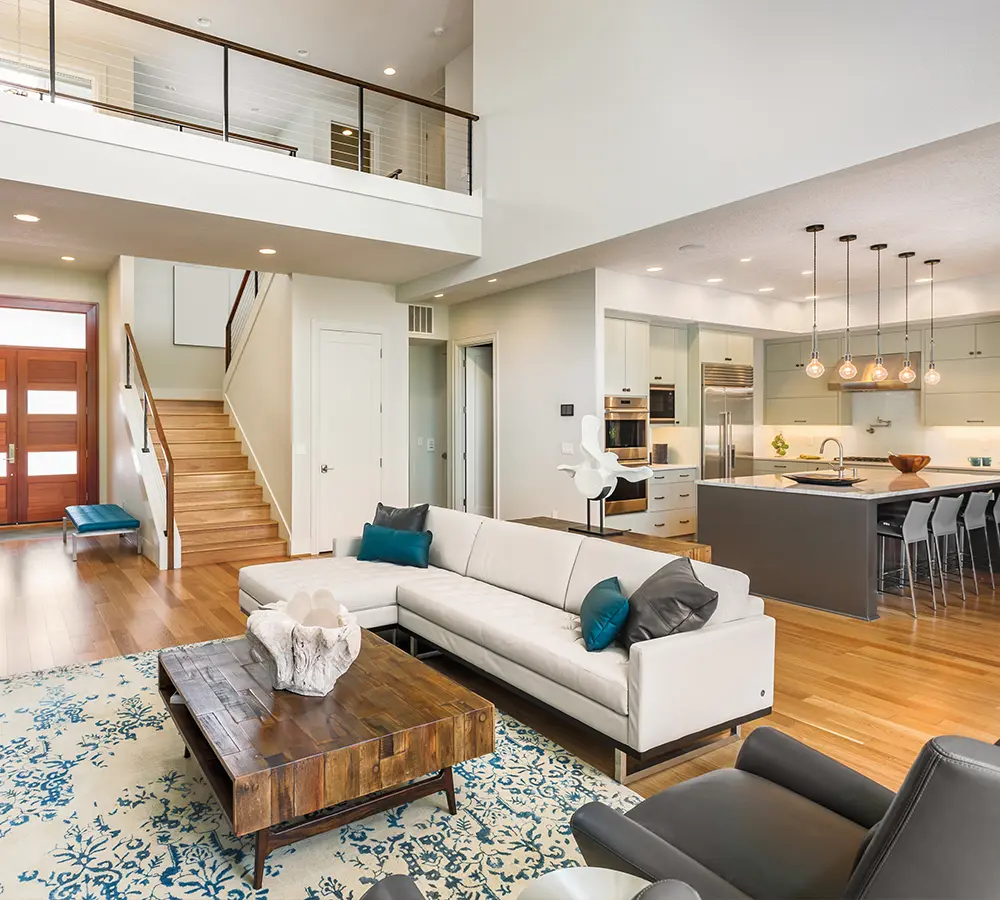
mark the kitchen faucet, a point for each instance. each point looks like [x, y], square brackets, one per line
[840, 447]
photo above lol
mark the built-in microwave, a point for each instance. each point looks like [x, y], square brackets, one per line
[662, 404]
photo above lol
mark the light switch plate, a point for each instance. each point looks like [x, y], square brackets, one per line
[567, 449]
[420, 442]
[430, 445]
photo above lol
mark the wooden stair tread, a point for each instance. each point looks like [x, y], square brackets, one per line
[229, 532]
[203, 505]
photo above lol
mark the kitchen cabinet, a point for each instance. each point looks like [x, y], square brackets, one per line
[830, 410]
[725, 347]
[793, 398]
[962, 376]
[982, 408]
[792, 356]
[783, 466]
[892, 342]
[964, 341]
[667, 355]
[626, 357]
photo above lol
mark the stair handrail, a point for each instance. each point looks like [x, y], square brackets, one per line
[241, 294]
[149, 407]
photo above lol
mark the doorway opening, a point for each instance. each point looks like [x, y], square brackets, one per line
[48, 408]
[428, 456]
[478, 431]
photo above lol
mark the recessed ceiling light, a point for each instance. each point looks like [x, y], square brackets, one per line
[654, 268]
[746, 259]
[764, 290]
[922, 281]
[26, 217]
[68, 258]
[490, 280]
[267, 251]
[204, 22]
[713, 280]
[388, 70]
[302, 54]
[807, 271]
[438, 296]
[347, 132]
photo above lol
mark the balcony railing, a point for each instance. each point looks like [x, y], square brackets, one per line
[116, 61]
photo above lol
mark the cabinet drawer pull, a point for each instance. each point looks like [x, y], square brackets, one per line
[975, 421]
[685, 495]
[979, 353]
[657, 378]
[800, 421]
[685, 522]
[659, 477]
[659, 524]
[659, 498]
[780, 466]
[686, 475]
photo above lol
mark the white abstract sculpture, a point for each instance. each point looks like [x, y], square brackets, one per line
[599, 472]
[305, 643]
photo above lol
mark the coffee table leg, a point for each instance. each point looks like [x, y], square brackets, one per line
[449, 789]
[260, 856]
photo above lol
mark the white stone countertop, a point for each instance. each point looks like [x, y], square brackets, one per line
[959, 467]
[660, 467]
[879, 484]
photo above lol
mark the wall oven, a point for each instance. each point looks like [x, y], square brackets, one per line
[626, 426]
[662, 404]
[628, 496]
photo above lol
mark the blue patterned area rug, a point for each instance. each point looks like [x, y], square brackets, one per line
[98, 803]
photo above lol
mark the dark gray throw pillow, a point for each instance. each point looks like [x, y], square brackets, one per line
[671, 601]
[410, 518]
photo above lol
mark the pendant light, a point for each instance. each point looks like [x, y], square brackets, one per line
[814, 368]
[847, 368]
[932, 376]
[906, 374]
[879, 372]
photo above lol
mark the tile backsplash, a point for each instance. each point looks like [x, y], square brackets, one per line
[945, 446]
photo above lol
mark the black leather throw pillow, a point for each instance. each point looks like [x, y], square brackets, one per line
[670, 601]
[410, 518]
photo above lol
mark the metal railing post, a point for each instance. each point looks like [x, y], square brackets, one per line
[128, 365]
[361, 129]
[225, 93]
[52, 51]
[469, 139]
[145, 423]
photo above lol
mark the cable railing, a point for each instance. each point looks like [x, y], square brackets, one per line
[149, 412]
[239, 315]
[116, 61]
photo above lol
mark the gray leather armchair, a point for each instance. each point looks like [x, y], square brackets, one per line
[789, 822]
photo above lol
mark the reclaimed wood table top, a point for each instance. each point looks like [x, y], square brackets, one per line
[389, 719]
[700, 552]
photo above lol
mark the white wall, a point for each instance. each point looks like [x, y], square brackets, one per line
[258, 393]
[545, 354]
[637, 113]
[350, 305]
[66, 283]
[458, 93]
[428, 390]
[175, 371]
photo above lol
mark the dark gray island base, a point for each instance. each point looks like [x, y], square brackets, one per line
[815, 545]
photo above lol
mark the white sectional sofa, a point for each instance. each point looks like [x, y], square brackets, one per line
[505, 598]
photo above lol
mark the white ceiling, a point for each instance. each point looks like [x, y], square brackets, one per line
[942, 200]
[96, 229]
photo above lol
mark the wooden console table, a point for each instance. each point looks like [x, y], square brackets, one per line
[700, 552]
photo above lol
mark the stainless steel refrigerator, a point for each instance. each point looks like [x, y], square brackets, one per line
[726, 420]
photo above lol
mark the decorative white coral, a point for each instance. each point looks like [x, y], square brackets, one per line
[305, 643]
[600, 470]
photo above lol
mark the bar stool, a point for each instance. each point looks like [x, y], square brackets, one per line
[944, 524]
[973, 518]
[912, 530]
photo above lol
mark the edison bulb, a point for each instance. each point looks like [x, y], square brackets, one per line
[847, 368]
[814, 368]
[906, 374]
[932, 375]
[879, 371]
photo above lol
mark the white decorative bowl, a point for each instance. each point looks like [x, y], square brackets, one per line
[305, 643]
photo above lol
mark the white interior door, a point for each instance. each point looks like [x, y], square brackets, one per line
[479, 430]
[348, 411]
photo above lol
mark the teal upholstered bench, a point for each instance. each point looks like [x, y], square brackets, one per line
[100, 519]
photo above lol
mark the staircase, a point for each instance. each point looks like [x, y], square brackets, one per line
[218, 507]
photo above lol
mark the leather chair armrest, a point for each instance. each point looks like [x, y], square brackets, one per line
[395, 887]
[668, 890]
[346, 546]
[612, 841]
[785, 761]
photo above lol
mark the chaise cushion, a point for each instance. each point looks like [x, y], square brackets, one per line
[100, 517]
[454, 534]
[535, 635]
[527, 560]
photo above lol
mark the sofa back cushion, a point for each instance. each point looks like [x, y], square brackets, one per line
[454, 534]
[532, 561]
[599, 559]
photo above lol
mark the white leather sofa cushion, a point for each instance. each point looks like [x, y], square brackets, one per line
[532, 561]
[454, 533]
[599, 559]
[358, 585]
[539, 637]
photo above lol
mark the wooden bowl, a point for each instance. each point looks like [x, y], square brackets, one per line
[908, 463]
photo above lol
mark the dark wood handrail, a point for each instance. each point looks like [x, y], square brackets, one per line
[143, 19]
[158, 425]
[232, 315]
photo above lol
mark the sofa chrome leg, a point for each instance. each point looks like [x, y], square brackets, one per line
[413, 646]
[622, 759]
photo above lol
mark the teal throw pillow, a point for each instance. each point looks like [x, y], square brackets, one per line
[404, 548]
[603, 613]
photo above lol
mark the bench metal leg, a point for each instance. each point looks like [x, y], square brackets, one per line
[73, 537]
[138, 543]
[65, 520]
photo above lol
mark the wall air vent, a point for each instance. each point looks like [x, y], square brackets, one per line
[421, 319]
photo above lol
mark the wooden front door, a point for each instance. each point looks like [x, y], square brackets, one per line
[8, 436]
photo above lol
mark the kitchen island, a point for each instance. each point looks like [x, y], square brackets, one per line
[815, 545]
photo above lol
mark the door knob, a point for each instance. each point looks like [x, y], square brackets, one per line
[11, 453]
[324, 468]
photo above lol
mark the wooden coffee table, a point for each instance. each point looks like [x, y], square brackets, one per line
[273, 757]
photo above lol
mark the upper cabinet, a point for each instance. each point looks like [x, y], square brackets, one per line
[667, 355]
[892, 342]
[791, 356]
[793, 398]
[725, 347]
[626, 357]
[964, 341]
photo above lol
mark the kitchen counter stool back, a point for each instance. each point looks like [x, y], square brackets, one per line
[944, 525]
[912, 530]
[973, 518]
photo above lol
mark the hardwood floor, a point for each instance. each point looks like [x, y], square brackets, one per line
[868, 694]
